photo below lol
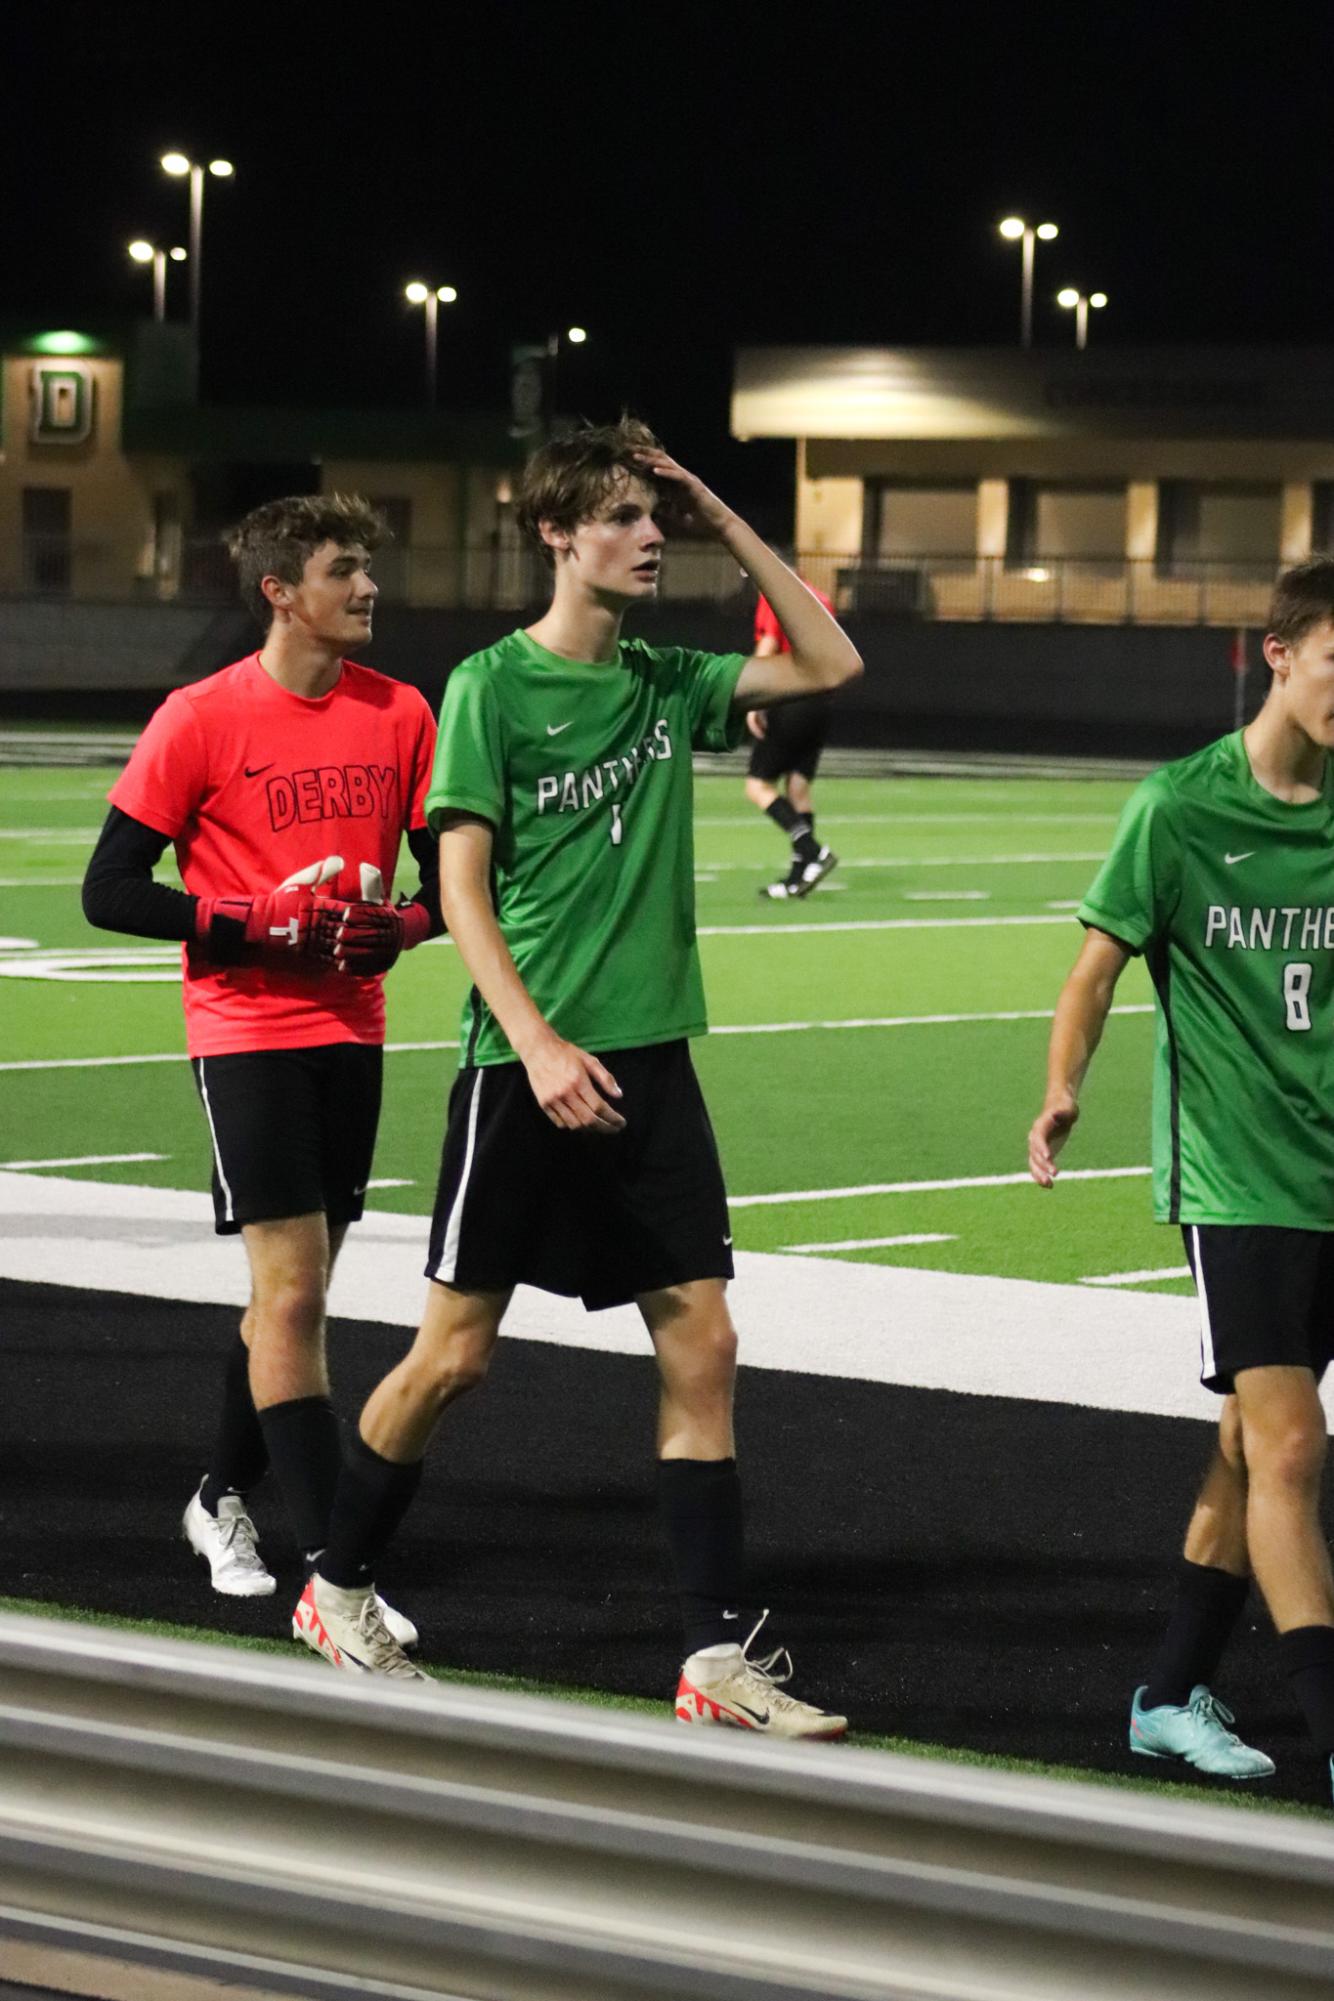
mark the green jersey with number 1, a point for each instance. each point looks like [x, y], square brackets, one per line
[1229, 894]
[583, 770]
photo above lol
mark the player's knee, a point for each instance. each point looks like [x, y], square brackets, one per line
[291, 1310]
[1291, 1455]
[449, 1369]
[757, 793]
[713, 1353]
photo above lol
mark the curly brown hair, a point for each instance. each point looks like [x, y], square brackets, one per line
[279, 538]
[568, 479]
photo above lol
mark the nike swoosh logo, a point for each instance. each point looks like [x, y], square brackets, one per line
[260, 767]
[727, 1242]
[1229, 859]
[755, 1713]
[554, 729]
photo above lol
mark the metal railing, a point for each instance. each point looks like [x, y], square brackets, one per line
[502, 575]
[278, 1825]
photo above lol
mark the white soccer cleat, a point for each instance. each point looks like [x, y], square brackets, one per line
[347, 1629]
[226, 1541]
[737, 1693]
[808, 874]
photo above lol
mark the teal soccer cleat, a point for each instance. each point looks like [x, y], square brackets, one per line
[1196, 1732]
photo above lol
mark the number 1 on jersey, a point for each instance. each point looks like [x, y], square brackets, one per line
[617, 830]
[1296, 993]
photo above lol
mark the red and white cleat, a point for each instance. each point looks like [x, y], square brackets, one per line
[729, 1689]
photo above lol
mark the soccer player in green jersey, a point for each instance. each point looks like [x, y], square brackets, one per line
[1221, 876]
[578, 1155]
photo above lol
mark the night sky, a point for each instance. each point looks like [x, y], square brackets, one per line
[680, 180]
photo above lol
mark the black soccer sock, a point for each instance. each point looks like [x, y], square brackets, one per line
[373, 1496]
[1209, 1602]
[1307, 1654]
[306, 1454]
[797, 826]
[240, 1457]
[700, 1504]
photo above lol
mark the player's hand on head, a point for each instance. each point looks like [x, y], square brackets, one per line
[573, 1088]
[703, 506]
[1047, 1135]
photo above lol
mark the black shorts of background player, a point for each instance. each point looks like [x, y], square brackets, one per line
[784, 757]
[562, 792]
[287, 753]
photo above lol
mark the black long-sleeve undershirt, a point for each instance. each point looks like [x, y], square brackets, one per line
[119, 893]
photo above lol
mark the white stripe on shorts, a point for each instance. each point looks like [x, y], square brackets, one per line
[229, 1214]
[449, 1256]
[1208, 1363]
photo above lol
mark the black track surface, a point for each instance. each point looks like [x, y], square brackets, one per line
[971, 1571]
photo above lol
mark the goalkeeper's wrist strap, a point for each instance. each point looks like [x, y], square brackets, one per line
[220, 927]
[416, 924]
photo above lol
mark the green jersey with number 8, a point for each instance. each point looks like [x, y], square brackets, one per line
[583, 770]
[1229, 894]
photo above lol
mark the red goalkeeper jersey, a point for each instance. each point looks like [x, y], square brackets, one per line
[766, 622]
[251, 783]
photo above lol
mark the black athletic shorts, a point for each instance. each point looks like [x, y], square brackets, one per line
[293, 1131]
[1266, 1299]
[598, 1216]
[794, 739]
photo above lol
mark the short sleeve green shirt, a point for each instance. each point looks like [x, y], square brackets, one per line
[584, 772]
[1229, 894]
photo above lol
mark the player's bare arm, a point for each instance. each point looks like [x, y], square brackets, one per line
[822, 656]
[567, 1082]
[1076, 1030]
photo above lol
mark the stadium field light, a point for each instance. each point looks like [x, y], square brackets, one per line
[180, 165]
[1074, 301]
[144, 252]
[1015, 230]
[432, 298]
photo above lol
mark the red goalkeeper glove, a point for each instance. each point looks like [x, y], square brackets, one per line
[364, 939]
[280, 929]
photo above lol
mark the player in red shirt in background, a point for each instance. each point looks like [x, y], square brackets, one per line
[786, 750]
[294, 763]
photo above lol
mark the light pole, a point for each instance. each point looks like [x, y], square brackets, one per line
[1014, 229]
[148, 253]
[418, 294]
[178, 165]
[1075, 301]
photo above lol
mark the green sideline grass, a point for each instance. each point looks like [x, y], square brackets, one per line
[642, 1706]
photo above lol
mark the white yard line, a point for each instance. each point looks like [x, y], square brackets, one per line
[947, 896]
[872, 1243]
[930, 861]
[725, 1028]
[43, 882]
[795, 1195]
[65, 836]
[1138, 1277]
[79, 1160]
[833, 818]
[870, 924]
